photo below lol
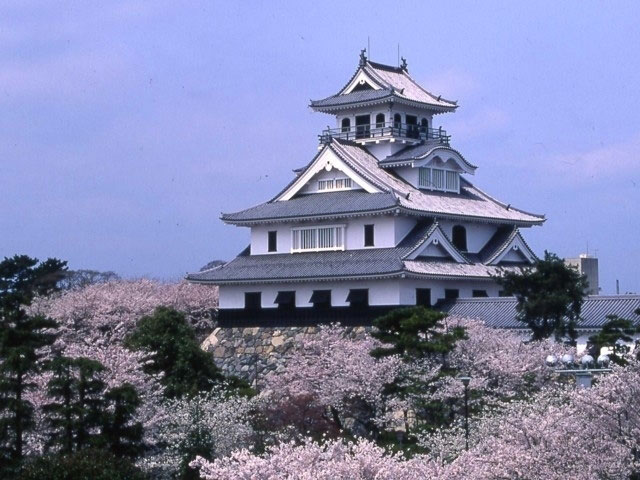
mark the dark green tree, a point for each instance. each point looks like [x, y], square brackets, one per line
[121, 434]
[550, 296]
[77, 409]
[22, 337]
[175, 352]
[415, 333]
[88, 464]
[421, 338]
[616, 331]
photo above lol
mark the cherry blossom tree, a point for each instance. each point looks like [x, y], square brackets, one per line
[333, 460]
[330, 372]
[209, 424]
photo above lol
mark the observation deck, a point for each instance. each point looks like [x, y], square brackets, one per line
[388, 131]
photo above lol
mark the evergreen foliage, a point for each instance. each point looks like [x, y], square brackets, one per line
[88, 464]
[21, 339]
[414, 333]
[614, 334]
[175, 353]
[550, 296]
[120, 432]
[76, 411]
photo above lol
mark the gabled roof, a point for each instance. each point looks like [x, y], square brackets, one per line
[409, 156]
[515, 241]
[470, 204]
[501, 312]
[388, 84]
[435, 236]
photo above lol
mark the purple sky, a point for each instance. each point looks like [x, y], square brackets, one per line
[125, 130]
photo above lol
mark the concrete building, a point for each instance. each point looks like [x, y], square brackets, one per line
[587, 265]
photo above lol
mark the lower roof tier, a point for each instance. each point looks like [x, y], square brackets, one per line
[349, 264]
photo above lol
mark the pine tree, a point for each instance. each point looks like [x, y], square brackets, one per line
[615, 330]
[550, 296]
[21, 339]
[422, 339]
[415, 333]
[121, 434]
[77, 408]
[175, 352]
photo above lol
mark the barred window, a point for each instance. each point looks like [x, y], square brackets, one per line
[439, 179]
[317, 238]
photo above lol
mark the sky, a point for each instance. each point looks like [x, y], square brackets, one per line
[126, 128]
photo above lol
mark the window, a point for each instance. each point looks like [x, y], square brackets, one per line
[368, 236]
[451, 293]
[423, 297]
[318, 238]
[439, 179]
[346, 124]
[479, 293]
[326, 184]
[286, 300]
[424, 128]
[358, 297]
[252, 300]
[397, 122]
[321, 298]
[273, 241]
[363, 126]
[452, 179]
[334, 184]
[412, 126]
[380, 120]
[343, 183]
[459, 238]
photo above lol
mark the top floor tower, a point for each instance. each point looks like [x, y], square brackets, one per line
[383, 109]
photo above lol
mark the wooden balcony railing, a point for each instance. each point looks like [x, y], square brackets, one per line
[387, 129]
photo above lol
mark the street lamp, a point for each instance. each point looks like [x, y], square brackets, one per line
[465, 381]
[583, 370]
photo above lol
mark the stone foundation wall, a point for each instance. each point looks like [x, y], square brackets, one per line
[250, 353]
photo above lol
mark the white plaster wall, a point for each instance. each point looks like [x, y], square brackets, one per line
[388, 231]
[466, 287]
[409, 174]
[478, 234]
[260, 238]
[403, 226]
[381, 292]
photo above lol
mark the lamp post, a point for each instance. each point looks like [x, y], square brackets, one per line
[465, 381]
[582, 371]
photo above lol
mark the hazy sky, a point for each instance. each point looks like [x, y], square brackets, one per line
[126, 129]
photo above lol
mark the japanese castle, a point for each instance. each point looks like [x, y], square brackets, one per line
[383, 216]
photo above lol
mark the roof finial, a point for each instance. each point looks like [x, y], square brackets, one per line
[363, 57]
[403, 65]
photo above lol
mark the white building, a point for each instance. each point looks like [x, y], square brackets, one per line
[384, 215]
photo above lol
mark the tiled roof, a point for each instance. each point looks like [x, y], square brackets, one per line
[393, 83]
[317, 205]
[470, 203]
[362, 96]
[501, 312]
[410, 154]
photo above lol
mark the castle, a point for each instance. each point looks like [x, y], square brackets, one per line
[383, 216]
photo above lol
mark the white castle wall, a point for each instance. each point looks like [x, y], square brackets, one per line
[388, 231]
[381, 292]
